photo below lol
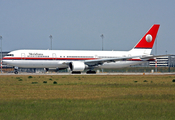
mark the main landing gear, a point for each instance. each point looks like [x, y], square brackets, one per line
[76, 72]
[88, 72]
[91, 72]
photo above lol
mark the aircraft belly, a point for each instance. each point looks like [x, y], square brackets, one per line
[120, 64]
[35, 64]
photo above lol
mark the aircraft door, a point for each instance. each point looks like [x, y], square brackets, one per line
[96, 56]
[54, 56]
[23, 56]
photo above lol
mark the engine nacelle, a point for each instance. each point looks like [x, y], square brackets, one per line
[77, 66]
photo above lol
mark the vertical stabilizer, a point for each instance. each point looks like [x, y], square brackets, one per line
[145, 45]
[148, 39]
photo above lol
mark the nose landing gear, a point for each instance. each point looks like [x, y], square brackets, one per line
[16, 70]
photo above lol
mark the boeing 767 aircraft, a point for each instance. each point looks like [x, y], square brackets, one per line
[78, 60]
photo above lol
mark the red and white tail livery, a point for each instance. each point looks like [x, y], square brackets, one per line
[148, 39]
[77, 61]
[145, 45]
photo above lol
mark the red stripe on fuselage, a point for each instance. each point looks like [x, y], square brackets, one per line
[32, 58]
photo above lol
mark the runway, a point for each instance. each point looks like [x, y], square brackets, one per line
[171, 73]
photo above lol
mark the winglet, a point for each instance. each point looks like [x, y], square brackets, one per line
[148, 39]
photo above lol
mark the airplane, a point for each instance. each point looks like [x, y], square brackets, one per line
[79, 60]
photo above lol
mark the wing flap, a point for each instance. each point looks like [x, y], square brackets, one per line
[101, 61]
[152, 57]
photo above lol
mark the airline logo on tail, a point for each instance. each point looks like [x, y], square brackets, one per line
[148, 39]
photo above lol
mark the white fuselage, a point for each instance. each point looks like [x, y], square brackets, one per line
[57, 58]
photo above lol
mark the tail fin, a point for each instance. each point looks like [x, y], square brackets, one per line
[145, 45]
[148, 39]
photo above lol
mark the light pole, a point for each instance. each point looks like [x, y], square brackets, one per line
[1, 52]
[102, 36]
[156, 54]
[50, 41]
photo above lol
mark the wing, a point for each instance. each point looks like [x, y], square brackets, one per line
[101, 61]
[152, 57]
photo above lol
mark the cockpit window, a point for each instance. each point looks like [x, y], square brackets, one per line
[10, 55]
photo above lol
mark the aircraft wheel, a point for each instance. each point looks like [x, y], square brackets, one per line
[76, 72]
[16, 72]
[91, 72]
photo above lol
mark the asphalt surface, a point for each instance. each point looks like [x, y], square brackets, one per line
[172, 73]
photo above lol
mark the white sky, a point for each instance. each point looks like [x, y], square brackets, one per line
[78, 24]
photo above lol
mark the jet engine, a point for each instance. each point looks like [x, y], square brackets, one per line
[77, 66]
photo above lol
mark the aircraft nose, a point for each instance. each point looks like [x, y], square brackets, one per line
[4, 61]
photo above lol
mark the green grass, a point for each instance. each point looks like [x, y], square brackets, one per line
[87, 97]
[86, 109]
